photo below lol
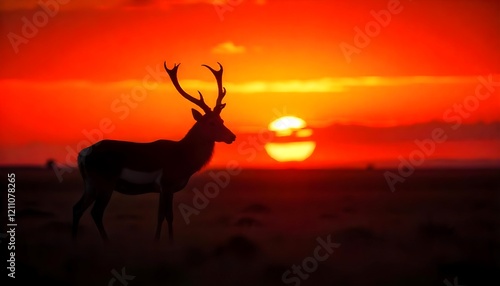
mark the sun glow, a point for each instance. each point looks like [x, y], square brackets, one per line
[296, 147]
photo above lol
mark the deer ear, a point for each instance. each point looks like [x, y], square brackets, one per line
[196, 115]
[218, 108]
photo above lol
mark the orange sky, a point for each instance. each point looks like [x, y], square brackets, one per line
[280, 57]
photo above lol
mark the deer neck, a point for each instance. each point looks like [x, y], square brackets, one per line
[197, 149]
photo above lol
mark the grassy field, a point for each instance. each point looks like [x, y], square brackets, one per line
[437, 225]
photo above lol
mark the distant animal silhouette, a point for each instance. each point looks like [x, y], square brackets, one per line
[162, 166]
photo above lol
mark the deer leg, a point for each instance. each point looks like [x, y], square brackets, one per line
[81, 206]
[161, 214]
[170, 215]
[98, 211]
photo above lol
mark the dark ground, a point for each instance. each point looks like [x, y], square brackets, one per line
[438, 225]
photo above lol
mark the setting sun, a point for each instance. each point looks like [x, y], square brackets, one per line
[291, 140]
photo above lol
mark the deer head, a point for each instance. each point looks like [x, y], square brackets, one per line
[210, 124]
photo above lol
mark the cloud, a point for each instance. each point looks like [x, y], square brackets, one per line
[228, 48]
[320, 85]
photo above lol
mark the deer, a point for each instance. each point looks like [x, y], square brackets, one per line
[161, 166]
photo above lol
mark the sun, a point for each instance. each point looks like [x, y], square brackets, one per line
[291, 142]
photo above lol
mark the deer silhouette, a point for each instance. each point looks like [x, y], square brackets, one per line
[162, 166]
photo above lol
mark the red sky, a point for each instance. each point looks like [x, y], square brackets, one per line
[280, 57]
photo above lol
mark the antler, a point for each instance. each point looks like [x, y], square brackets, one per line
[173, 76]
[222, 90]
